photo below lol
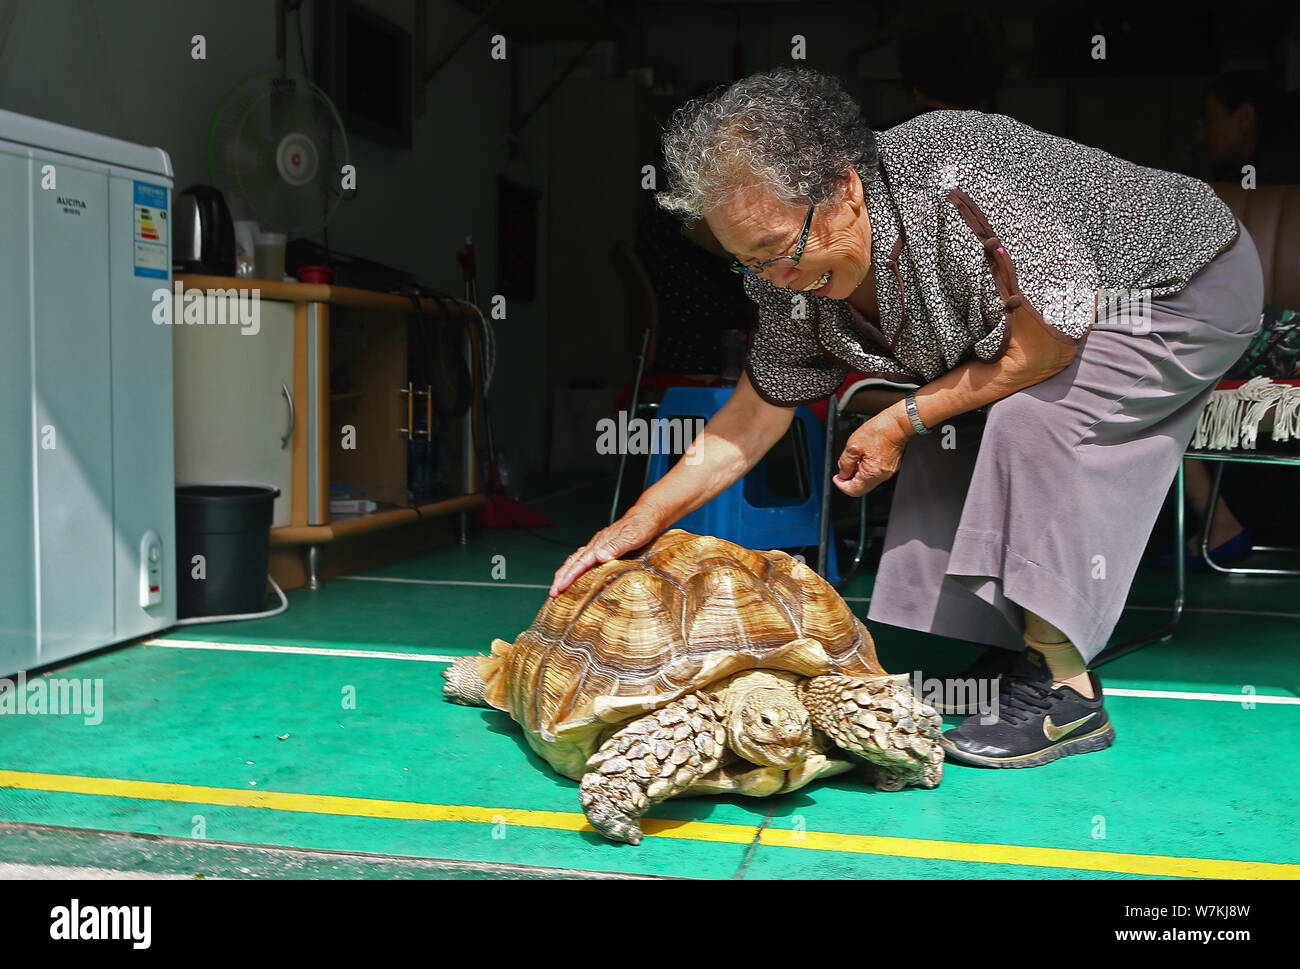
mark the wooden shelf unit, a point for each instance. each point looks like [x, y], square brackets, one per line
[372, 328]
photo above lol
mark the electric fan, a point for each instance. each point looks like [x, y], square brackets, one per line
[277, 143]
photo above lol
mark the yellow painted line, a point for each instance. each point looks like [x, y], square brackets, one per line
[1065, 858]
[361, 807]
[1165, 866]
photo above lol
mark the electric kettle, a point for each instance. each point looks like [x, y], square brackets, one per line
[203, 235]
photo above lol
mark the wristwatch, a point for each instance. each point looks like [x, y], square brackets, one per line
[913, 415]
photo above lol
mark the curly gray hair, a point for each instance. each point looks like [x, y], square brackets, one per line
[792, 131]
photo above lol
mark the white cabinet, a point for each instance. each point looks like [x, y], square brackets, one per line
[233, 387]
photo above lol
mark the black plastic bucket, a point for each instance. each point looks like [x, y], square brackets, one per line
[230, 526]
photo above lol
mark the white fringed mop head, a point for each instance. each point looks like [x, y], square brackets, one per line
[1232, 417]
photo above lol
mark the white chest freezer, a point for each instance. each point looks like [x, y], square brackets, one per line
[87, 506]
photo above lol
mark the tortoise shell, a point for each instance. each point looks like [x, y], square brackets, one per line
[634, 634]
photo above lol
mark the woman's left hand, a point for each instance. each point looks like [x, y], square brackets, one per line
[871, 456]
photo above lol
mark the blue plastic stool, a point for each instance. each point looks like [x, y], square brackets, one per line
[748, 513]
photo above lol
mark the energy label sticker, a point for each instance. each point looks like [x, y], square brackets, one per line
[150, 231]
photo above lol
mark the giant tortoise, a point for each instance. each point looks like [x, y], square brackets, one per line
[701, 667]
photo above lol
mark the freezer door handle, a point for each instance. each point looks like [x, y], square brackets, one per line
[288, 435]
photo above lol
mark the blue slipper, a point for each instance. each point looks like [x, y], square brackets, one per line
[1237, 547]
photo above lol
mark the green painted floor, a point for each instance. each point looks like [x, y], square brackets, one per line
[341, 759]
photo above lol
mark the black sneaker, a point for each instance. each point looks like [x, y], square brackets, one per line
[1036, 724]
[960, 695]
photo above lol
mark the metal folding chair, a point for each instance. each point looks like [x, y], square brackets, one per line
[835, 409]
[1180, 566]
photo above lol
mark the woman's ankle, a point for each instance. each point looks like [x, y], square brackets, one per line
[1225, 526]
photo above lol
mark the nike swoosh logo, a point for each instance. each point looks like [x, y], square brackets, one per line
[1055, 733]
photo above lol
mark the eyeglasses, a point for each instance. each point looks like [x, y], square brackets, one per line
[738, 267]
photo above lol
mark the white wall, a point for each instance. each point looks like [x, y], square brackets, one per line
[124, 68]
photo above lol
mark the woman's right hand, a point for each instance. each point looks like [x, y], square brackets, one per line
[633, 530]
[740, 433]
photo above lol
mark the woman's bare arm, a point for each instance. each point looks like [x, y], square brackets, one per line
[875, 449]
[730, 445]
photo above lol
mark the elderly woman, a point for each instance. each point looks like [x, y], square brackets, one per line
[1089, 303]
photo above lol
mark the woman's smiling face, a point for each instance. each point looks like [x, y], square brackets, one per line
[753, 225]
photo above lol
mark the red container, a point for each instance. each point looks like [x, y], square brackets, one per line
[315, 274]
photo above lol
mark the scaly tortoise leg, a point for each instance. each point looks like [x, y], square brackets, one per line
[649, 760]
[464, 685]
[882, 721]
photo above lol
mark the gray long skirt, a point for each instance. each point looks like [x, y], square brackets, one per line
[1049, 506]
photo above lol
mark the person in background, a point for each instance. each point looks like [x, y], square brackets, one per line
[698, 295]
[951, 57]
[1245, 120]
[1242, 124]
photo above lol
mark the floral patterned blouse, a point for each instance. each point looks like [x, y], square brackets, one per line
[974, 216]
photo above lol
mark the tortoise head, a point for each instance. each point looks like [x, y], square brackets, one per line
[769, 727]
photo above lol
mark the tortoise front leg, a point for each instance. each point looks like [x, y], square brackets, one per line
[649, 760]
[882, 721]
